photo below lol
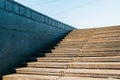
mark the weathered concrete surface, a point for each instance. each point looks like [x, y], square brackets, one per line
[23, 31]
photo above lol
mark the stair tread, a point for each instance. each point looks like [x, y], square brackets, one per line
[64, 58]
[98, 65]
[101, 49]
[81, 53]
[47, 63]
[73, 71]
[39, 69]
[61, 53]
[55, 63]
[112, 65]
[107, 58]
[93, 71]
[67, 48]
[80, 78]
[49, 58]
[107, 39]
[29, 77]
[84, 54]
[45, 77]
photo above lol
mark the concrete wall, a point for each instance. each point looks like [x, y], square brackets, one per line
[23, 31]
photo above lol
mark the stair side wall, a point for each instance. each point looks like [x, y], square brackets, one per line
[23, 31]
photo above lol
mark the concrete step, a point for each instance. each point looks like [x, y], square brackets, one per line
[53, 59]
[76, 65]
[29, 77]
[96, 54]
[98, 73]
[117, 34]
[79, 33]
[78, 59]
[103, 44]
[81, 78]
[68, 46]
[48, 65]
[65, 51]
[45, 77]
[82, 31]
[62, 54]
[95, 65]
[106, 31]
[107, 39]
[71, 43]
[40, 71]
[116, 49]
[83, 54]
[98, 59]
[77, 36]
[73, 40]
[113, 44]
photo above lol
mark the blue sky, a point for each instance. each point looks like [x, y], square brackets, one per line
[79, 13]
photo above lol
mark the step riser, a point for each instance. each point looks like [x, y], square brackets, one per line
[68, 47]
[73, 37]
[78, 59]
[82, 55]
[107, 31]
[98, 60]
[78, 66]
[94, 75]
[29, 77]
[101, 50]
[71, 43]
[102, 45]
[104, 40]
[65, 51]
[106, 35]
[39, 73]
[65, 48]
[50, 60]
[83, 60]
[61, 56]
[94, 66]
[77, 36]
[54, 60]
[48, 66]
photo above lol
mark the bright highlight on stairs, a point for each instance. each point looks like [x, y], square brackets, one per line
[83, 54]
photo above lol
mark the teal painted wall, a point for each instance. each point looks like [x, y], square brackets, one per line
[23, 31]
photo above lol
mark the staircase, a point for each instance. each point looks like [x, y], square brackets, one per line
[85, 54]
